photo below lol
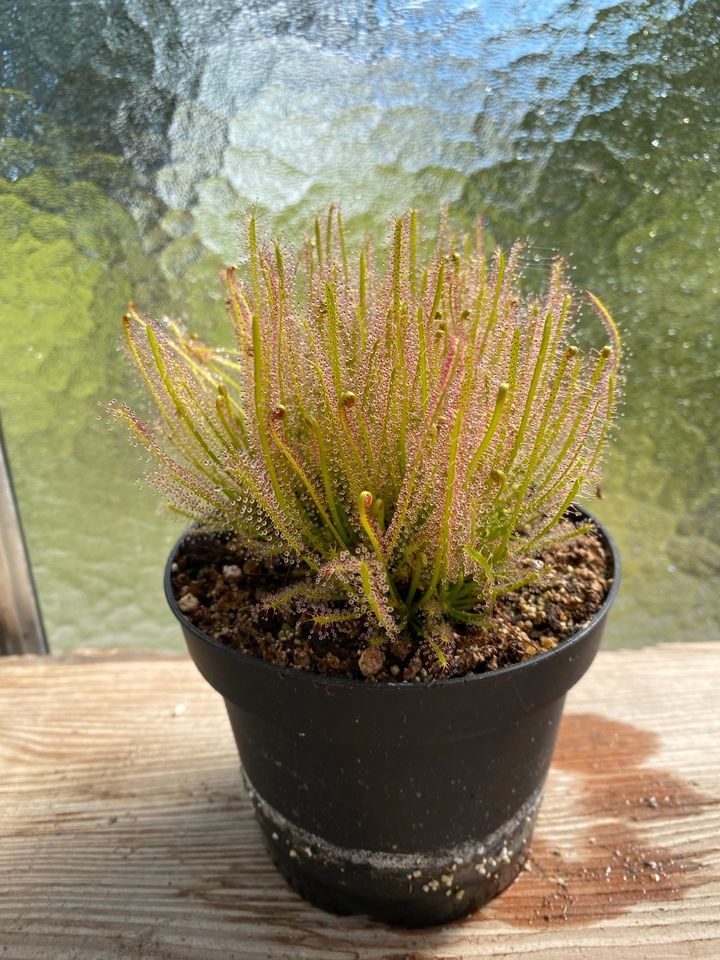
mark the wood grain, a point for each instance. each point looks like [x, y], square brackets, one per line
[125, 832]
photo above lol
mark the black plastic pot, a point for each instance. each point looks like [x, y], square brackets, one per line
[413, 803]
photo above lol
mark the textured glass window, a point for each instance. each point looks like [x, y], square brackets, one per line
[136, 134]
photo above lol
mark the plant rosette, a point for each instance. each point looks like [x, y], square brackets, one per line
[403, 446]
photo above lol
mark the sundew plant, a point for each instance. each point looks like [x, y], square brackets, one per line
[411, 436]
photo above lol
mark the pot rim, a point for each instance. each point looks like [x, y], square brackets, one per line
[309, 676]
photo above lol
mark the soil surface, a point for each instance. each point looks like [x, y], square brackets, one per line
[220, 592]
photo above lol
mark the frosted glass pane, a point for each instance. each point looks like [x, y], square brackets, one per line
[134, 141]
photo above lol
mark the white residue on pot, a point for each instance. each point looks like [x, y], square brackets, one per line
[438, 867]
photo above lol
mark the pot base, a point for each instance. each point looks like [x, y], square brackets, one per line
[409, 889]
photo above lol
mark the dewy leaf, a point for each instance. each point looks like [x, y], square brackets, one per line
[374, 600]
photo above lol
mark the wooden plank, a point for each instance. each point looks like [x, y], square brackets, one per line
[125, 833]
